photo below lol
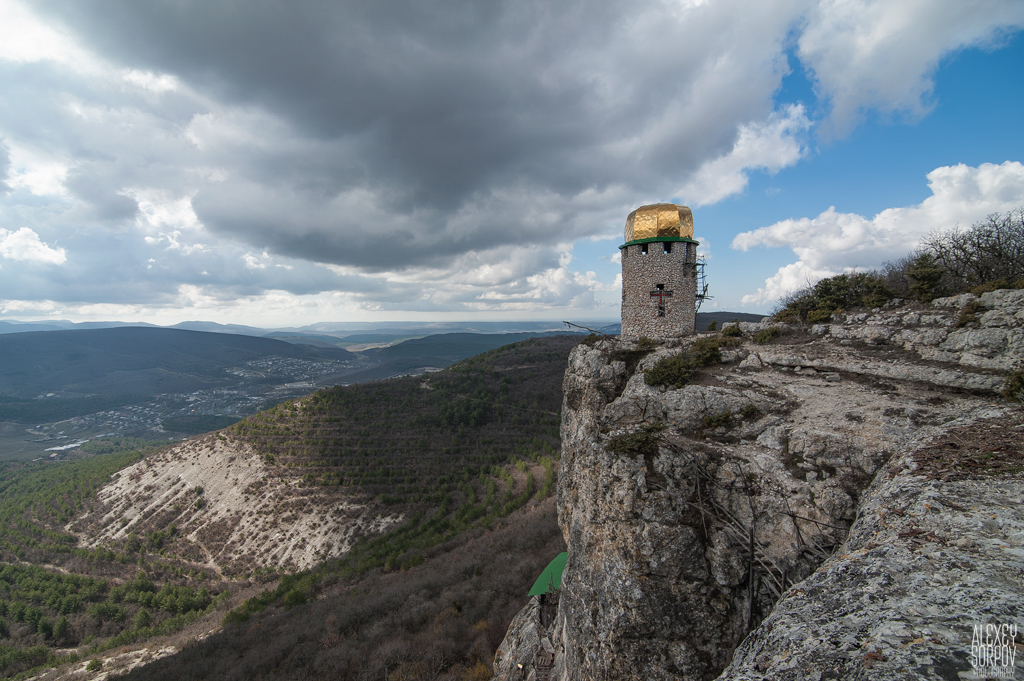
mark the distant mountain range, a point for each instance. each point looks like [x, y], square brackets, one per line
[337, 330]
[27, 327]
[432, 352]
[137, 360]
[343, 334]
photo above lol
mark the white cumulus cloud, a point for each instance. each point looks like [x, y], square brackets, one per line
[770, 145]
[835, 242]
[256, 262]
[153, 82]
[41, 173]
[882, 54]
[25, 244]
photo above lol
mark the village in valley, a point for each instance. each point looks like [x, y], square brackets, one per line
[256, 385]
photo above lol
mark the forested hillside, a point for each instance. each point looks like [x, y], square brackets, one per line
[436, 454]
[442, 619]
[85, 600]
[411, 439]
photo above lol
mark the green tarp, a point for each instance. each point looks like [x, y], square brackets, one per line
[551, 577]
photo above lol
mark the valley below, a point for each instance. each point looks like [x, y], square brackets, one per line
[164, 385]
[437, 486]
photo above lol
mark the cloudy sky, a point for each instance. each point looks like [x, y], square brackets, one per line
[279, 163]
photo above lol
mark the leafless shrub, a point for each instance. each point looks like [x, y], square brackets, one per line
[988, 254]
[988, 250]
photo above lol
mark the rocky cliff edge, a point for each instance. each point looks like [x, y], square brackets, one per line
[841, 502]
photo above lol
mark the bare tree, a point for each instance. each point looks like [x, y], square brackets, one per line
[391, 654]
[987, 251]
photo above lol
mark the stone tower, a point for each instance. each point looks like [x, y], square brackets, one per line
[659, 272]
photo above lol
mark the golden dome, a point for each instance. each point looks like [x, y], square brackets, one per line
[659, 219]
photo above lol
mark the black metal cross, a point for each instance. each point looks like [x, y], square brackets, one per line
[661, 294]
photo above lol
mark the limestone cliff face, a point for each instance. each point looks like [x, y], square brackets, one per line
[689, 513]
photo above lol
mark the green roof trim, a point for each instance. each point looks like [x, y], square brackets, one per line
[551, 577]
[659, 239]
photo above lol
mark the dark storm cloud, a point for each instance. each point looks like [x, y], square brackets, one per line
[443, 127]
[430, 155]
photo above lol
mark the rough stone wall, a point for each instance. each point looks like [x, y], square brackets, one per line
[778, 444]
[642, 272]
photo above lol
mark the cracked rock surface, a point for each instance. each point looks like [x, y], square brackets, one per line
[926, 561]
[694, 516]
